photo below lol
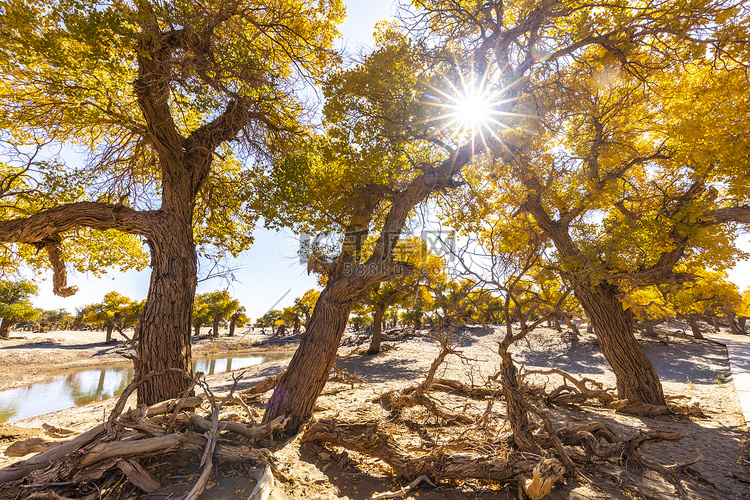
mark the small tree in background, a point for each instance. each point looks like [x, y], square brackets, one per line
[238, 318]
[15, 304]
[306, 303]
[116, 312]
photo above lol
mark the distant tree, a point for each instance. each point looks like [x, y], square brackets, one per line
[237, 318]
[404, 291]
[15, 304]
[116, 312]
[290, 317]
[58, 319]
[306, 303]
[215, 307]
[268, 320]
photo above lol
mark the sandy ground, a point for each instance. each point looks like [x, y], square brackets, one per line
[698, 369]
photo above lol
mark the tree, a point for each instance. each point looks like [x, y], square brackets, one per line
[116, 312]
[709, 295]
[403, 291]
[59, 319]
[595, 168]
[237, 318]
[153, 94]
[306, 303]
[15, 304]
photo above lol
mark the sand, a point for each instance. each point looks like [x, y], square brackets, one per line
[697, 369]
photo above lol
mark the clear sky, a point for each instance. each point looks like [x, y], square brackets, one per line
[270, 271]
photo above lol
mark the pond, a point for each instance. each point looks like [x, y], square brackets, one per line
[88, 385]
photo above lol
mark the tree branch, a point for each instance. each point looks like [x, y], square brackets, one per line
[40, 228]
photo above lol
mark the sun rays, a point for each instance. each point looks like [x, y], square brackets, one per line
[473, 109]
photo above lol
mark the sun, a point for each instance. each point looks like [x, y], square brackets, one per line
[473, 111]
[472, 108]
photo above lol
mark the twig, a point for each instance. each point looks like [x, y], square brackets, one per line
[212, 436]
[403, 491]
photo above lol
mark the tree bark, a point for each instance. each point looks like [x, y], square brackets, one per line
[696, 329]
[377, 329]
[231, 329]
[164, 330]
[216, 326]
[742, 320]
[636, 377]
[110, 327]
[197, 331]
[307, 373]
[5, 328]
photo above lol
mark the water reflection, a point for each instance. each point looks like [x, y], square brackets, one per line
[90, 385]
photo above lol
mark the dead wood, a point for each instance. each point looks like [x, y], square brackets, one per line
[545, 475]
[369, 438]
[30, 445]
[58, 432]
[118, 451]
[578, 393]
[343, 376]
[405, 490]
[138, 475]
[456, 387]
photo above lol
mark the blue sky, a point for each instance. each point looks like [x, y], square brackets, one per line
[270, 270]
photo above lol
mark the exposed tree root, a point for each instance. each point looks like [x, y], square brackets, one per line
[584, 390]
[456, 387]
[405, 490]
[370, 439]
[578, 393]
[343, 376]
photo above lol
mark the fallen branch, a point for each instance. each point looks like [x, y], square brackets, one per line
[405, 490]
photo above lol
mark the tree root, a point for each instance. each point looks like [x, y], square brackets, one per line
[405, 490]
[536, 475]
[398, 401]
[343, 376]
[578, 393]
[586, 389]
[369, 438]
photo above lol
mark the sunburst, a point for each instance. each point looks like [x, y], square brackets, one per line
[474, 109]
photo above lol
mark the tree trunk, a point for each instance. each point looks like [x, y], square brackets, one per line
[569, 322]
[558, 328]
[636, 378]
[696, 329]
[377, 329]
[307, 373]
[164, 330]
[216, 326]
[197, 330]
[715, 321]
[742, 320]
[5, 328]
[110, 327]
[519, 420]
[231, 329]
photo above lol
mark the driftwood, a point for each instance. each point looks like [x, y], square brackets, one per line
[113, 459]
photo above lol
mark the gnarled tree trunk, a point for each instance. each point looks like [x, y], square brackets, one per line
[216, 326]
[377, 329]
[5, 328]
[636, 377]
[307, 373]
[696, 329]
[164, 330]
